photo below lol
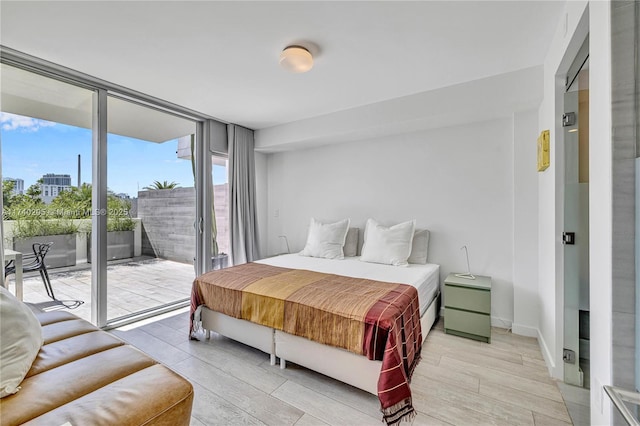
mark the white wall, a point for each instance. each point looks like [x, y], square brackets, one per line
[474, 101]
[261, 201]
[525, 224]
[600, 209]
[457, 182]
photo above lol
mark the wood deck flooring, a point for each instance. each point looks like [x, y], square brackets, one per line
[458, 382]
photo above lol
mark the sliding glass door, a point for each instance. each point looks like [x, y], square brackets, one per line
[151, 209]
[220, 181]
[46, 134]
[99, 165]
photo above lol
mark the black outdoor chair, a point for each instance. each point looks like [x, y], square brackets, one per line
[36, 263]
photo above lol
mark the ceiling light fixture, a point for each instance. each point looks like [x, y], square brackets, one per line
[296, 59]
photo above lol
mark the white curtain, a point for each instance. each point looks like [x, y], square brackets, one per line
[242, 195]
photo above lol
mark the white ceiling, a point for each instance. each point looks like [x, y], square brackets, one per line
[32, 95]
[221, 58]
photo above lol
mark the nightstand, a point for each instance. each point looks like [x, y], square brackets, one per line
[467, 307]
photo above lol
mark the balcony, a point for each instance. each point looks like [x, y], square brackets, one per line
[133, 285]
[156, 268]
[145, 163]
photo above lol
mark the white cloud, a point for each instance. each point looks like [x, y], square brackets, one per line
[10, 122]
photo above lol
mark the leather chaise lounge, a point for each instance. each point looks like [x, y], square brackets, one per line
[85, 376]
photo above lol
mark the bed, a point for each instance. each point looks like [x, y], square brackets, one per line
[351, 368]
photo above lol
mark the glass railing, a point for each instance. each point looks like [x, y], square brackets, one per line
[626, 402]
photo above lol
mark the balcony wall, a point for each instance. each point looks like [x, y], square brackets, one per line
[168, 217]
[164, 225]
[81, 237]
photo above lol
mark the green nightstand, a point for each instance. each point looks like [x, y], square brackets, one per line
[467, 307]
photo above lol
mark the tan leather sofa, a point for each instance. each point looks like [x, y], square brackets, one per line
[85, 376]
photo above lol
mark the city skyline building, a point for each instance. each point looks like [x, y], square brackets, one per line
[54, 184]
[18, 185]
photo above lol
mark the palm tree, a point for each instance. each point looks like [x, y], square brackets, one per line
[161, 185]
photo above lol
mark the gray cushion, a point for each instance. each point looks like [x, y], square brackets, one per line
[420, 247]
[351, 243]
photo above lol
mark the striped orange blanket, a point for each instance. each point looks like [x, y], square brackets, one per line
[376, 319]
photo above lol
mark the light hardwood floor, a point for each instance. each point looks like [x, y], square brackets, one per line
[458, 382]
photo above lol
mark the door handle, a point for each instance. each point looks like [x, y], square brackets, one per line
[569, 238]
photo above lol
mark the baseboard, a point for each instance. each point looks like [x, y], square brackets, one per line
[527, 331]
[524, 330]
[501, 322]
[548, 359]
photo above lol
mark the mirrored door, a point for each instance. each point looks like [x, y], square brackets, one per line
[576, 230]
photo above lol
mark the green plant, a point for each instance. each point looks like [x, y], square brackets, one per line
[162, 185]
[116, 224]
[42, 227]
[34, 191]
[7, 192]
[117, 207]
[23, 207]
[121, 224]
[74, 203]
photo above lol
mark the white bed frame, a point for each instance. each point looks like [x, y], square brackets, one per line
[355, 370]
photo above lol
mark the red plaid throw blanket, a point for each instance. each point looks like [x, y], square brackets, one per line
[376, 319]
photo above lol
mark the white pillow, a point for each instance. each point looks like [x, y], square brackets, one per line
[388, 245]
[20, 342]
[326, 239]
[419, 247]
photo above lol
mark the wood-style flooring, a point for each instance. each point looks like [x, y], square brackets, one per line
[458, 382]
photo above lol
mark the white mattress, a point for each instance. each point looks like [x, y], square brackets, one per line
[426, 278]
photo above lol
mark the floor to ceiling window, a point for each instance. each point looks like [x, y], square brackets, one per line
[46, 162]
[151, 240]
[99, 165]
[221, 204]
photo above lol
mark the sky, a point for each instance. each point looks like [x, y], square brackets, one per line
[33, 147]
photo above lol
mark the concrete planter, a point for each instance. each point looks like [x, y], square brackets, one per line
[120, 245]
[62, 252]
[220, 261]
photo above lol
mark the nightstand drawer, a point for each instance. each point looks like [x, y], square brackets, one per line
[466, 298]
[467, 322]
